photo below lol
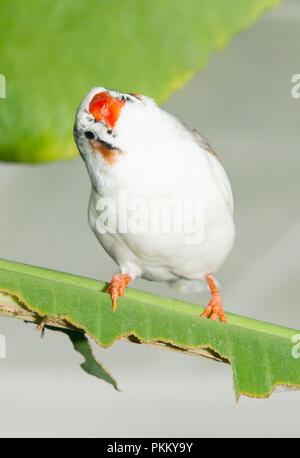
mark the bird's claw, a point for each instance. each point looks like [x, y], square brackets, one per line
[215, 309]
[117, 286]
[215, 306]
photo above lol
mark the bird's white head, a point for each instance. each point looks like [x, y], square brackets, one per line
[110, 130]
[106, 123]
[120, 134]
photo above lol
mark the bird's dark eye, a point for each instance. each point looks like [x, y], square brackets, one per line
[109, 131]
[89, 135]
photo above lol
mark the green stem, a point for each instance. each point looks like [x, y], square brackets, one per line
[181, 306]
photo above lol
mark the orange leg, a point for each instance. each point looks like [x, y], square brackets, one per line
[117, 286]
[215, 307]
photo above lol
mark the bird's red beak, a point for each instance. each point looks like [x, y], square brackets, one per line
[104, 107]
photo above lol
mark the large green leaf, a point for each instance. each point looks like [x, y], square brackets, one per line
[262, 355]
[53, 52]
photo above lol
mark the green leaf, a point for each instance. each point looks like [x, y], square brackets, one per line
[262, 355]
[91, 365]
[57, 50]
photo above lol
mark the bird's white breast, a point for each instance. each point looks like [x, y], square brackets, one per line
[168, 169]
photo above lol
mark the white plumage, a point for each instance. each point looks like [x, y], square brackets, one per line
[147, 155]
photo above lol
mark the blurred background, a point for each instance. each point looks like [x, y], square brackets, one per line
[242, 103]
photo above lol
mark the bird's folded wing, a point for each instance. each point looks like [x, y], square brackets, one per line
[217, 167]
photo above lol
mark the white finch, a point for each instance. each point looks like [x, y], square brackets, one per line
[142, 162]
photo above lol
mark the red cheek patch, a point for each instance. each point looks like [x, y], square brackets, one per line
[104, 107]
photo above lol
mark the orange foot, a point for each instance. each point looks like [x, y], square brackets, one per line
[117, 286]
[215, 307]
